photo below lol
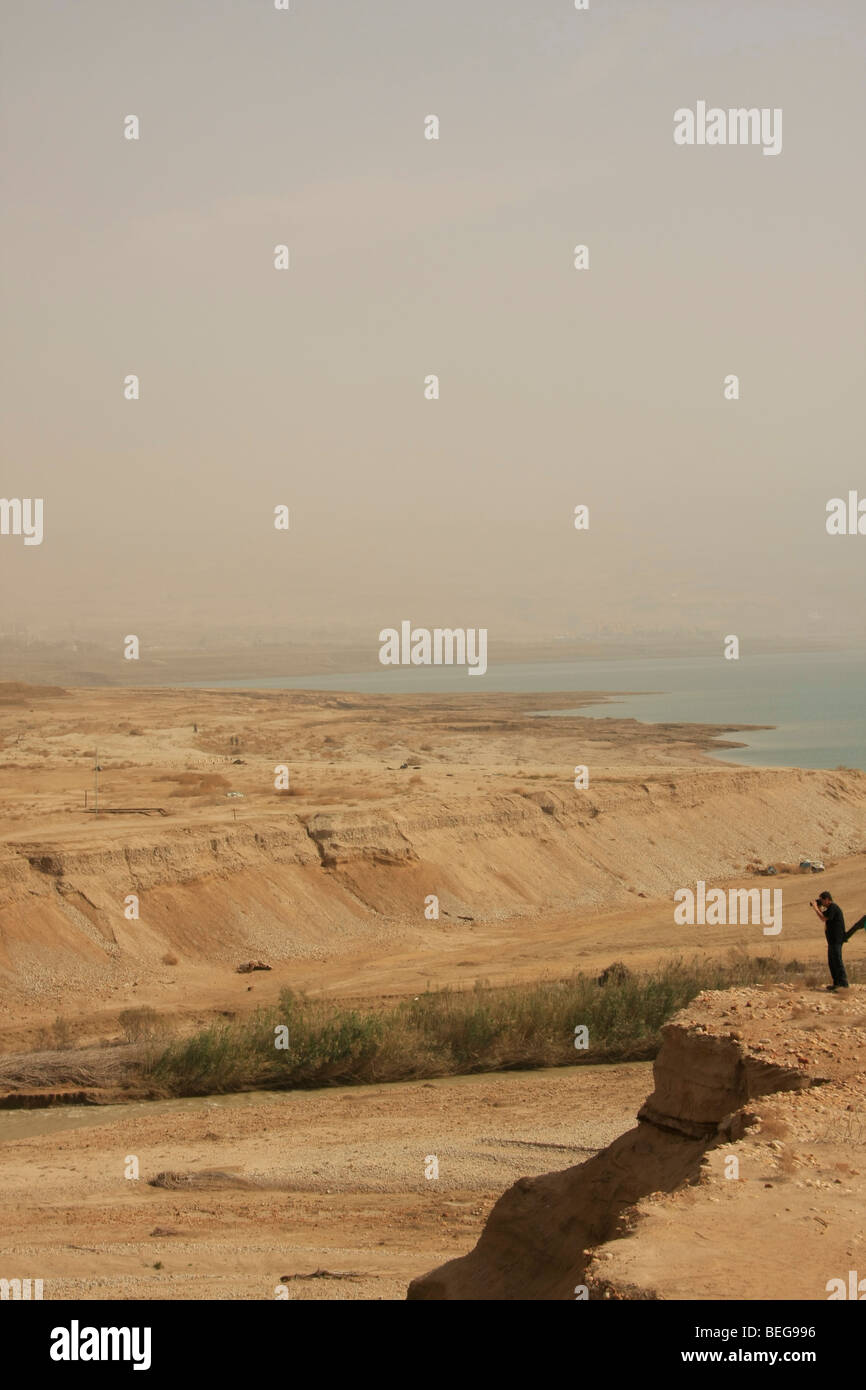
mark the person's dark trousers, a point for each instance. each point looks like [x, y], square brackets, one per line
[837, 969]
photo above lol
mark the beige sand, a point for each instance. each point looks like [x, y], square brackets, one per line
[348, 1166]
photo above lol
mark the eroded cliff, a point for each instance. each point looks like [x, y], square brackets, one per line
[744, 1177]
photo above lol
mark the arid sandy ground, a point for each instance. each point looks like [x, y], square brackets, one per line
[328, 881]
[349, 1196]
[390, 800]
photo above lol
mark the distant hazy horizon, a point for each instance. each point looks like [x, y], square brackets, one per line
[409, 257]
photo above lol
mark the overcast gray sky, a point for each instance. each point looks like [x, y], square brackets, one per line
[411, 257]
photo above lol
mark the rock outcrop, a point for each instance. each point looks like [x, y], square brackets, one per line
[758, 1096]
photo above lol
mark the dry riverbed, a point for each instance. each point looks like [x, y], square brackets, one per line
[325, 1190]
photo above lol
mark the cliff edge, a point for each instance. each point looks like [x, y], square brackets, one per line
[744, 1178]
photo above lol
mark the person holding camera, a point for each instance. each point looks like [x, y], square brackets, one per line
[834, 930]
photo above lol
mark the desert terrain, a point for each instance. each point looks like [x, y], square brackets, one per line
[329, 1183]
[389, 800]
[744, 1178]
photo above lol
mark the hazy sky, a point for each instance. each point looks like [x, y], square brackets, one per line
[410, 257]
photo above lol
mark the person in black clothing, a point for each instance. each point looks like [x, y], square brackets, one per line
[834, 930]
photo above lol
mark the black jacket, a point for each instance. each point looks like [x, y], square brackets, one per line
[834, 925]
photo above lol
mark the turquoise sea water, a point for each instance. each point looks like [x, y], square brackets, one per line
[817, 701]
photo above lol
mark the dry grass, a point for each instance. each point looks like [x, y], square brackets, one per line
[84, 1067]
[58, 1037]
[142, 1024]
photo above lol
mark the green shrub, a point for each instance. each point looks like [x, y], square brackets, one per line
[447, 1031]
